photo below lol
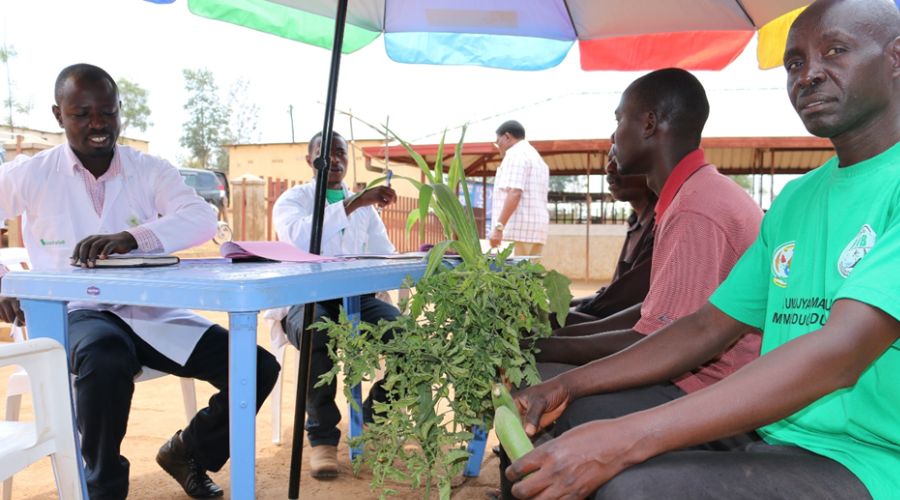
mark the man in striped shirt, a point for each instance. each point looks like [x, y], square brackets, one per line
[519, 205]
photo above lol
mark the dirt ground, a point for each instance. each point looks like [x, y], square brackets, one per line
[157, 413]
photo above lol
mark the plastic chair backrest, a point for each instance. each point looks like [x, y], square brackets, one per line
[15, 258]
[45, 361]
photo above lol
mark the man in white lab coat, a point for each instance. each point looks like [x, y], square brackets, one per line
[83, 201]
[351, 226]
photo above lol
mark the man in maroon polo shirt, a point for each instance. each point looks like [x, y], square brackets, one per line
[704, 223]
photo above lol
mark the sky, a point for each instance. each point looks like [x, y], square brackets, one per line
[151, 44]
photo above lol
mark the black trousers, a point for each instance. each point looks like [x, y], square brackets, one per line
[322, 413]
[105, 355]
[737, 467]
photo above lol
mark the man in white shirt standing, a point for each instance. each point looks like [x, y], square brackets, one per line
[519, 208]
[351, 226]
[88, 199]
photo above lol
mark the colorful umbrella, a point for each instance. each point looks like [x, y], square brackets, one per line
[531, 34]
[510, 34]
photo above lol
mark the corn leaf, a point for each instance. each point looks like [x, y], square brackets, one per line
[423, 165]
[435, 256]
[439, 161]
[463, 226]
[411, 220]
[415, 182]
[457, 159]
[424, 201]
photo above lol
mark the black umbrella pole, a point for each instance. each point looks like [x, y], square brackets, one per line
[323, 164]
[303, 364]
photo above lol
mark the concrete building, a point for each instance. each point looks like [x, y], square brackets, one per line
[288, 161]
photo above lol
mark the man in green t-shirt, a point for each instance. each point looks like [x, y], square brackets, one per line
[822, 282]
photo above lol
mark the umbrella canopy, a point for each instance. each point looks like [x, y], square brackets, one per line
[531, 34]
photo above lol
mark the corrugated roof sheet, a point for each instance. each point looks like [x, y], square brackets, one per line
[733, 155]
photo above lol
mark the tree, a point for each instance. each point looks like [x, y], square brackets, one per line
[568, 183]
[135, 112]
[242, 121]
[13, 106]
[244, 114]
[207, 128]
[743, 181]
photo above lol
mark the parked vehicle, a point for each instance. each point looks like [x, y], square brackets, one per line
[208, 186]
[224, 180]
[212, 187]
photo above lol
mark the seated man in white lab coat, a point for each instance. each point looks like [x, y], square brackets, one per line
[351, 226]
[91, 198]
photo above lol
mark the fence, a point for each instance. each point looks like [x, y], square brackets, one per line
[274, 188]
[11, 235]
[578, 215]
[394, 217]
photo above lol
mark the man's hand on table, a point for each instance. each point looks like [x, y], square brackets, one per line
[88, 250]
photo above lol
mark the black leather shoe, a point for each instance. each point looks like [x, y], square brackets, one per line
[176, 459]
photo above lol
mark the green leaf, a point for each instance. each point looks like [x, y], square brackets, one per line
[435, 256]
[462, 225]
[461, 173]
[423, 165]
[439, 161]
[411, 219]
[557, 286]
[457, 455]
[415, 182]
[424, 201]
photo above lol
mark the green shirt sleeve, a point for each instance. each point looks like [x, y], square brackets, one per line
[876, 279]
[744, 294]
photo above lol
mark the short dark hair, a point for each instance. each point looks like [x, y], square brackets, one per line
[512, 128]
[81, 71]
[677, 97]
[318, 136]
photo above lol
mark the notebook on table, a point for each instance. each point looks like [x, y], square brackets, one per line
[134, 260]
[269, 251]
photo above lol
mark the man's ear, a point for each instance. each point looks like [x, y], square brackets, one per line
[894, 53]
[651, 123]
[58, 114]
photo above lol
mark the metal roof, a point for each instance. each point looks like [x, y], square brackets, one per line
[732, 155]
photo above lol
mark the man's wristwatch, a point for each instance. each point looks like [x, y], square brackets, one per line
[498, 227]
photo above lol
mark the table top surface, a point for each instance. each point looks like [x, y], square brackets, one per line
[216, 284]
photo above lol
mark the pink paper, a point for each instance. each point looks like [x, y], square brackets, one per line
[272, 250]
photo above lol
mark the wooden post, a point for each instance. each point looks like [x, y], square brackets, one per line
[587, 229]
[250, 207]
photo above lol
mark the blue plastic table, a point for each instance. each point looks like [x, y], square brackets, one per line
[241, 290]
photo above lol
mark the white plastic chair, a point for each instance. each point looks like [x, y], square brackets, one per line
[279, 344]
[52, 433]
[16, 259]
